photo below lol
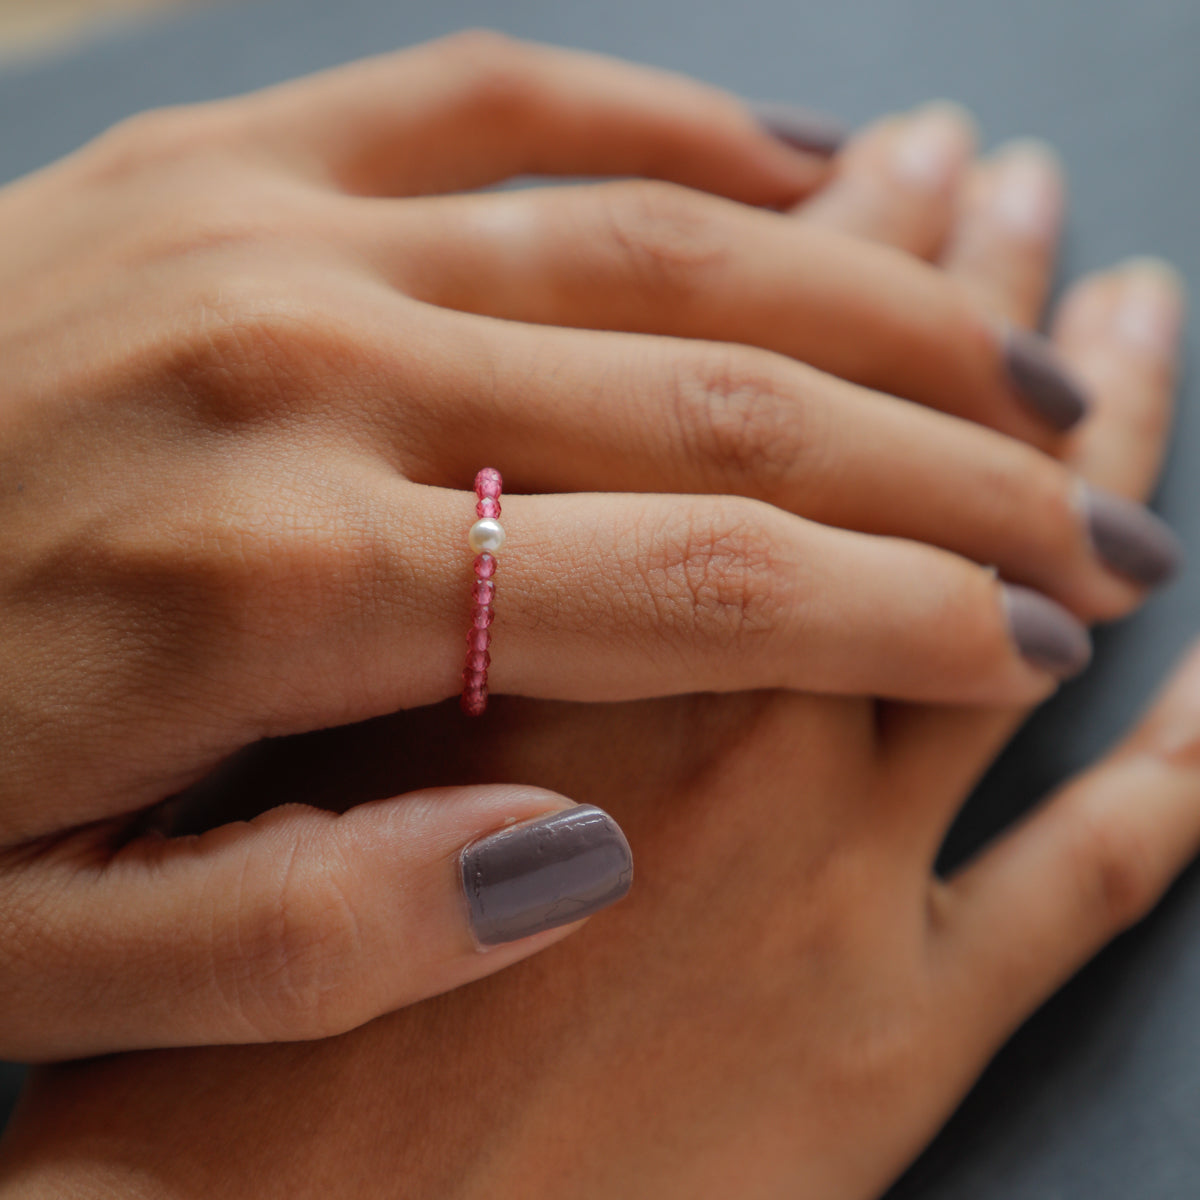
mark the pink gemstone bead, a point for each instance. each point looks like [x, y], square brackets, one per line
[488, 484]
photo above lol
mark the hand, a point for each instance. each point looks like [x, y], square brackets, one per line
[242, 373]
[788, 1003]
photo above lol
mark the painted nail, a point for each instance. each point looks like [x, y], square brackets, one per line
[933, 145]
[1151, 307]
[543, 873]
[802, 128]
[1042, 380]
[1026, 194]
[1130, 539]
[1045, 633]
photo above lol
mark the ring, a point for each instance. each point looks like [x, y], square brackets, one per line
[485, 539]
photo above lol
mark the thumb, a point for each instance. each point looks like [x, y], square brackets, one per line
[299, 924]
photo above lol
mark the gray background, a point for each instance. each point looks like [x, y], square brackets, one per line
[1099, 1096]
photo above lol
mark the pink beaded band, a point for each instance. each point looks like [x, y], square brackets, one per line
[485, 539]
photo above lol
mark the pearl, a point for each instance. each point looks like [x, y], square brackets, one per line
[486, 536]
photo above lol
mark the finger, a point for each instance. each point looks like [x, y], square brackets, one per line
[654, 258]
[1007, 233]
[297, 925]
[477, 107]
[627, 413]
[1090, 862]
[1121, 331]
[898, 181]
[617, 597]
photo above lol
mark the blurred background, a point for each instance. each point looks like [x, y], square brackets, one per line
[1099, 1095]
[32, 27]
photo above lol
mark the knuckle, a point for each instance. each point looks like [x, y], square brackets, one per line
[236, 574]
[1029, 492]
[477, 44]
[664, 235]
[1116, 867]
[714, 575]
[156, 136]
[741, 420]
[493, 72]
[251, 352]
[290, 961]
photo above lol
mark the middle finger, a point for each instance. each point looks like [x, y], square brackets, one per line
[630, 413]
[657, 258]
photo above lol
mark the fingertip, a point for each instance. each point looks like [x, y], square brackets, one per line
[550, 871]
[1043, 381]
[805, 129]
[1140, 304]
[933, 145]
[1130, 539]
[1023, 190]
[1152, 306]
[1046, 635]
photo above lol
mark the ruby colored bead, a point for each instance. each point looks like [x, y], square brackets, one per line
[488, 484]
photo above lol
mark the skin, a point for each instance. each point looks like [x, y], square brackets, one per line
[246, 364]
[789, 1003]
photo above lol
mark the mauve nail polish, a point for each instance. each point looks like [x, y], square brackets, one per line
[543, 873]
[1131, 539]
[802, 128]
[1042, 380]
[1045, 633]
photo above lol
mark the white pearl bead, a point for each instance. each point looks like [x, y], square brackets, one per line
[487, 535]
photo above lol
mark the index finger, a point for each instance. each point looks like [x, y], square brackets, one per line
[478, 107]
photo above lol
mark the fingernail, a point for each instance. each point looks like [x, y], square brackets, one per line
[1043, 382]
[1026, 195]
[802, 128]
[1046, 634]
[933, 145]
[1151, 307]
[1130, 539]
[544, 873]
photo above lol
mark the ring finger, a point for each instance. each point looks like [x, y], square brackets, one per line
[613, 597]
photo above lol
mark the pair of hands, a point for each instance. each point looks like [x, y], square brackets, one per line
[784, 841]
[249, 354]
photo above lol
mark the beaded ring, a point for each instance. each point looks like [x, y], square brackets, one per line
[485, 539]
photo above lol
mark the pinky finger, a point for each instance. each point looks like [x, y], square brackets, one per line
[1088, 864]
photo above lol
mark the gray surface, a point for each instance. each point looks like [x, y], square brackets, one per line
[1100, 1095]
